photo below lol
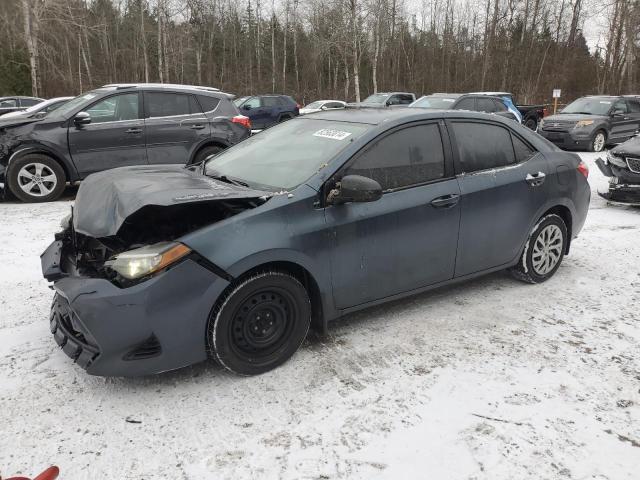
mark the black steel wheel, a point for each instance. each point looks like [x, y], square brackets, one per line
[260, 323]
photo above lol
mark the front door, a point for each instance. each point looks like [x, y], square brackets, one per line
[114, 138]
[407, 239]
[175, 124]
[502, 185]
[624, 122]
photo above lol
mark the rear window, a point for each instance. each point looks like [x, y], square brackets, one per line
[482, 146]
[161, 104]
[209, 104]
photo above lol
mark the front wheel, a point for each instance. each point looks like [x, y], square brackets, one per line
[36, 178]
[598, 142]
[260, 323]
[543, 252]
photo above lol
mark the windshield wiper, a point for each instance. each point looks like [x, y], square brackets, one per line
[223, 178]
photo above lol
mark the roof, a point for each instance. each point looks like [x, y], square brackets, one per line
[493, 94]
[377, 116]
[169, 86]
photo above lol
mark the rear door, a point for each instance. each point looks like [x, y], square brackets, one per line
[407, 239]
[273, 109]
[254, 109]
[503, 184]
[175, 124]
[114, 138]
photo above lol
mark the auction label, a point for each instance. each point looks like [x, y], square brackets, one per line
[333, 134]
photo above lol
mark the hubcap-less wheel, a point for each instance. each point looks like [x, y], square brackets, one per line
[547, 249]
[262, 322]
[598, 142]
[37, 179]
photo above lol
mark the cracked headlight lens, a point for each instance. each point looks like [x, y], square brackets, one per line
[617, 161]
[147, 260]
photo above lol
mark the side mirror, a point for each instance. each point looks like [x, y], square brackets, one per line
[617, 113]
[82, 118]
[355, 188]
[324, 107]
[246, 107]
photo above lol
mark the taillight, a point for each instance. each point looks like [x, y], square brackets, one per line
[545, 112]
[242, 120]
[298, 106]
[583, 169]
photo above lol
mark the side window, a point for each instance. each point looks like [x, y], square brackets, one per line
[116, 108]
[8, 103]
[163, 104]
[207, 103]
[466, 104]
[620, 105]
[394, 100]
[270, 102]
[410, 156]
[253, 102]
[405, 99]
[482, 146]
[486, 105]
[333, 105]
[634, 106]
[523, 151]
[29, 102]
[500, 106]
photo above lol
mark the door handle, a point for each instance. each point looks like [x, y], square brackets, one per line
[133, 130]
[197, 127]
[445, 201]
[535, 179]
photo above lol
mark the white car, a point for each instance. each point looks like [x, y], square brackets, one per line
[321, 105]
[41, 108]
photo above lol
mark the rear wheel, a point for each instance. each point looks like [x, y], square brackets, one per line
[598, 142]
[207, 152]
[36, 178]
[544, 251]
[260, 323]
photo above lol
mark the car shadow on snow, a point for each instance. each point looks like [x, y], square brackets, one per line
[376, 317]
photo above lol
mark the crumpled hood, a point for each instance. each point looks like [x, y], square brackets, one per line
[106, 199]
[630, 147]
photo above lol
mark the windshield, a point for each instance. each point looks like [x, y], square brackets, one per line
[285, 156]
[314, 105]
[442, 103]
[376, 98]
[239, 101]
[589, 106]
[71, 105]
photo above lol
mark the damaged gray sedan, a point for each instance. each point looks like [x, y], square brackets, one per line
[622, 166]
[160, 267]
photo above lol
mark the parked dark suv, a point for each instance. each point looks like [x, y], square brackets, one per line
[592, 123]
[16, 104]
[319, 216]
[115, 126]
[267, 110]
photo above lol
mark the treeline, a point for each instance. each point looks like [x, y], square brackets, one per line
[319, 48]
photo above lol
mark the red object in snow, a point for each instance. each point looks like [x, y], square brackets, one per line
[50, 473]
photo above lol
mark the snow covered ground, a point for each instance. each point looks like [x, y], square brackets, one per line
[491, 379]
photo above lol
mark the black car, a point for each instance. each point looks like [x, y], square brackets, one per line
[17, 103]
[622, 166]
[591, 123]
[479, 102]
[115, 126]
[267, 110]
[328, 213]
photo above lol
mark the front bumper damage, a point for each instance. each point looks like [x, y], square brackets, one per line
[151, 327]
[624, 185]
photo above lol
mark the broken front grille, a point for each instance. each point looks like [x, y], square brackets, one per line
[633, 164]
[73, 342]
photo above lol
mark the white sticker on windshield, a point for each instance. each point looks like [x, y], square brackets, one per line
[606, 103]
[449, 100]
[333, 134]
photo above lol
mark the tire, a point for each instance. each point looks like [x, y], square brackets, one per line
[598, 142]
[284, 118]
[260, 323]
[531, 123]
[36, 178]
[543, 252]
[207, 152]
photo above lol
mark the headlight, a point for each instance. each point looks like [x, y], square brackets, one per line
[583, 123]
[147, 260]
[617, 161]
